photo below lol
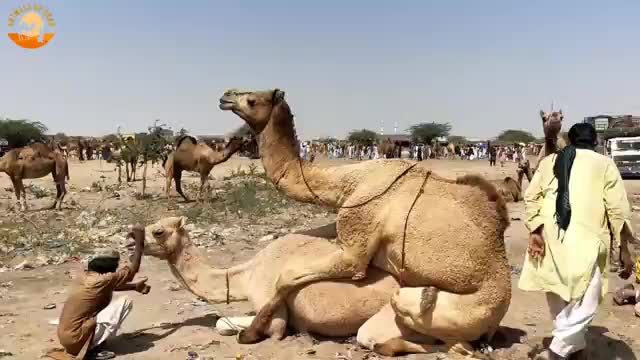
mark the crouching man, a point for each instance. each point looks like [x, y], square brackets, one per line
[90, 315]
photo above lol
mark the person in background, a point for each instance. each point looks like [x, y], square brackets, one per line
[493, 154]
[90, 315]
[576, 199]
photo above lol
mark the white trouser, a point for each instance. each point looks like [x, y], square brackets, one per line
[572, 319]
[110, 319]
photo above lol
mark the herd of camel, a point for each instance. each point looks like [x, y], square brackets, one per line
[393, 268]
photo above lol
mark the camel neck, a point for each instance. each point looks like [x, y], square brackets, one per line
[214, 285]
[280, 153]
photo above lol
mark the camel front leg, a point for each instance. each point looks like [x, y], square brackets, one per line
[17, 186]
[204, 182]
[340, 264]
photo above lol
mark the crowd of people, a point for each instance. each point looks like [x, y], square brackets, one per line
[480, 151]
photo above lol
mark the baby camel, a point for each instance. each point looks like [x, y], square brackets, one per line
[201, 158]
[374, 308]
[33, 162]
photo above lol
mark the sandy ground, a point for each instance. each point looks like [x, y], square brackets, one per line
[167, 323]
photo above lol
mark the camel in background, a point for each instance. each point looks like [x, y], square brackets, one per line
[201, 158]
[33, 162]
[554, 139]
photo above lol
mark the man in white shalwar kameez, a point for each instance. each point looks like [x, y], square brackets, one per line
[576, 199]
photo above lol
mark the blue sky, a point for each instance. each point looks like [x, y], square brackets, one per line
[482, 66]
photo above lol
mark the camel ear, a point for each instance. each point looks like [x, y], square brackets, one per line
[542, 114]
[278, 96]
[183, 222]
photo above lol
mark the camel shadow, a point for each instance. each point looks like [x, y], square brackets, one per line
[140, 340]
[601, 346]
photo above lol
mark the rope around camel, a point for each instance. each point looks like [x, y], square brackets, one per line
[406, 219]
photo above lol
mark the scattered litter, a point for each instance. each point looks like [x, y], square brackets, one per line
[175, 287]
[267, 238]
[199, 303]
[53, 322]
[4, 353]
[50, 306]
[25, 265]
[7, 284]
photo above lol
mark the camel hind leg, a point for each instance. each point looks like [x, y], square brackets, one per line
[452, 318]
[177, 177]
[386, 334]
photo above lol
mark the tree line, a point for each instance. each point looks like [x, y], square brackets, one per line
[426, 132]
[21, 132]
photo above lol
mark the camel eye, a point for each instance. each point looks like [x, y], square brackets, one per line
[251, 102]
[158, 232]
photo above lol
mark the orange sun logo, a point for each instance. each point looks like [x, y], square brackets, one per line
[31, 26]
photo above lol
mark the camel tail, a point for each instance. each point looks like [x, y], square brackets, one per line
[185, 137]
[492, 194]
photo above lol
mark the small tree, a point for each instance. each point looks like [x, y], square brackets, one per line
[516, 136]
[21, 132]
[152, 146]
[426, 132]
[363, 137]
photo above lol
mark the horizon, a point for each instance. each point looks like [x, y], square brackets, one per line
[482, 67]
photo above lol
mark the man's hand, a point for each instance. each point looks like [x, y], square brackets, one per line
[142, 287]
[137, 233]
[536, 246]
[627, 262]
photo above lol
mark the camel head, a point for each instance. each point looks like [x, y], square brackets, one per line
[551, 122]
[235, 143]
[170, 234]
[254, 107]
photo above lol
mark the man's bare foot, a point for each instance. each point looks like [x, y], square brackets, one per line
[625, 295]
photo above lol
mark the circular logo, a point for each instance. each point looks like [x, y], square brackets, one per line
[31, 26]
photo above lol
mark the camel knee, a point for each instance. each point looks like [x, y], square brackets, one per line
[407, 302]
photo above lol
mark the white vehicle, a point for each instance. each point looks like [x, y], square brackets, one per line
[625, 152]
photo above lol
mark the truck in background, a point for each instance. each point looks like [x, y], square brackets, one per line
[625, 152]
[619, 139]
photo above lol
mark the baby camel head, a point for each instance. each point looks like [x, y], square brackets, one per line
[254, 107]
[170, 234]
[551, 122]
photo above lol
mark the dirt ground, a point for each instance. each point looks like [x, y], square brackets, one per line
[41, 251]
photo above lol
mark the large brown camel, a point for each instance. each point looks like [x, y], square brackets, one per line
[554, 139]
[201, 158]
[33, 162]
[442, 236]
[334, 308]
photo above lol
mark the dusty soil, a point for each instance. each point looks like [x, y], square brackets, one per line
[41, 251]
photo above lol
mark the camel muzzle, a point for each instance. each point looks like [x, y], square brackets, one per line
[226, 103]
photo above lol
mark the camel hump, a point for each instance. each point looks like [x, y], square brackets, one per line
[185, 137]
[492, 194]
